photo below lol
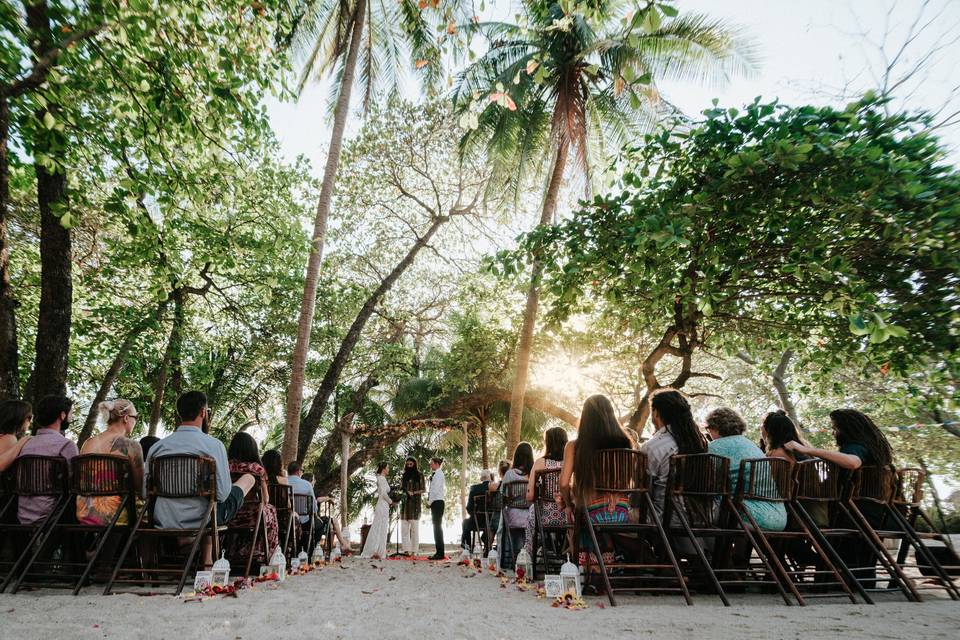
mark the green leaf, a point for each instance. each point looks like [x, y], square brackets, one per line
[48, 120]
[669, 10]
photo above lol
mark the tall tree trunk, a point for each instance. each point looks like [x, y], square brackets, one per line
[312, 420]
[9, 355]
[115, 367]
[308, 303]
[780, 384]
[163, 372]
[484, 449]
[49, 375]
[525, 344]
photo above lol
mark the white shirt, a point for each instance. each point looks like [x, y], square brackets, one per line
[437, 486]
[658, 450]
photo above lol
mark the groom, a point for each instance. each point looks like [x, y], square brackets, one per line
[435, 499]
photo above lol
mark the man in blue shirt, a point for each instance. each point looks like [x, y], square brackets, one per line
[191, 438]
[303, 487]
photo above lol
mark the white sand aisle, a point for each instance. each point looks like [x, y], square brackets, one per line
[424, 600]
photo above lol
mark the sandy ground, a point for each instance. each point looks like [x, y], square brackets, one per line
[396, 599]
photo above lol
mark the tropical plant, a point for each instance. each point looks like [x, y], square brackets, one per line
[574, 79]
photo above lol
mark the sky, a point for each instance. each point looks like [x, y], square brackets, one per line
[809, 51]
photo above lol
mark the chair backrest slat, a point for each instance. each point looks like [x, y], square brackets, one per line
[41, 476]
[548, 485]
[875, 484]
[183, 476]
[818, 480]
[281, 497]
[910, 490]
[302, 504]
[621, 471]
[699, 474]
[98, 474]
[767, 479]
[515, 494]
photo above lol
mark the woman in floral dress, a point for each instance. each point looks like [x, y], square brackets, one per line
[244, 458]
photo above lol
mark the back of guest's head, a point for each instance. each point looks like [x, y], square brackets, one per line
[726, 422]
[599, 429]
[190, 404]
[554, 440]
[854, 427]
[112, 411]
[502, 467]
[13, 415]
[437, 461]
[273, 464]
[146, 442]
[50, 408]
[523, 458]
[243, 448]
[779, 429]
[294, 468]
[674, 411]
[486, 475]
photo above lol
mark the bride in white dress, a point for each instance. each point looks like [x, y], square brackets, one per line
[376, 544]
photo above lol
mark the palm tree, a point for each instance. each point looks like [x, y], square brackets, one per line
[369, 43]
[575, 80]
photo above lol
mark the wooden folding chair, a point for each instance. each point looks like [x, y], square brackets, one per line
[304, 505]
[551, 538]
[699, 510]
[872, 504]
[482, 526]
[624, 471]
[35, 476]
[281, 497]
[771, 480]
[514, 496]
[92, 475]
[173, 477]
[253, 528]
[325, 510]
[492, 506]
[908, 501]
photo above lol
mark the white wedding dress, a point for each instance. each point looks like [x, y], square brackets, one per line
[376, 544]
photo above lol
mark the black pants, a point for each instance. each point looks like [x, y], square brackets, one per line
[436, 512]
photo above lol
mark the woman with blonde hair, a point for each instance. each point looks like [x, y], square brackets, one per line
[121, 417]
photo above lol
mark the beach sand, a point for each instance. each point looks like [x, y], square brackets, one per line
[402, 599]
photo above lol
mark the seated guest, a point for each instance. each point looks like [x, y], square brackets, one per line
[776, 430]
[599, 429]
[502, 467]
[120, 416]
[53, 417]
[273, 463]
[554, 440]
[189, 439]
[675, 432]
[516, 518]
[860, 443]
[471, 524]
[15, 417]
[726, 429]
[302, 483]
[146, 442]
[244, 458]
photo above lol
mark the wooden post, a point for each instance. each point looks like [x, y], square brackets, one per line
[463, 475]
[344, 475]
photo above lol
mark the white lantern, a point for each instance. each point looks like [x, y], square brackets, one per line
[302, 558]
[278, 564]
[570, 577]
[493, 562]
[220, 576]
[523, 567]
[477, 557]
[335, 554]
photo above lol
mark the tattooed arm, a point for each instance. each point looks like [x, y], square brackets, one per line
[132, 451]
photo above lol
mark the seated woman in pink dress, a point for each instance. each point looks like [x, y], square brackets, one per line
[245, 458]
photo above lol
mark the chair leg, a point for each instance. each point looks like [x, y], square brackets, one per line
[600, 562]
[698, 549]
[905, 584]
[767, 555]
[38, 542]
[920, 549]
[101, 542]
[131, 537]
[196, 545]
[667, 548]
[821, 553]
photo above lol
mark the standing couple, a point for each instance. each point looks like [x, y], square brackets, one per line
[412, 488]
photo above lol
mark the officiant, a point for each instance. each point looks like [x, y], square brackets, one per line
[412, 489]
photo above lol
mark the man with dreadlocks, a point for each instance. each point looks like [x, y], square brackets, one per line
[860, 443]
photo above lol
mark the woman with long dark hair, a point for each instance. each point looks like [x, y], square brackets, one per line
[516, 519]
[376, 544]
[676, 432]
[15, 417]
[776, 430]
[244, 457]
[554, 441]
[599, 429]
[273, 464]
[412, 486]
